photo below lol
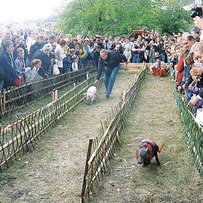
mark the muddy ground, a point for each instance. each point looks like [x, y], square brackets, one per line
[53, 171]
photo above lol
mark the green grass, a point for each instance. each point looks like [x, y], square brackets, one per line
[154, 116]
[53, 171]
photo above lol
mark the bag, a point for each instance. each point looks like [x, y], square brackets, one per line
[193, 90]
[19, 81]
[75, 66]
[55, 70]
[199, 116]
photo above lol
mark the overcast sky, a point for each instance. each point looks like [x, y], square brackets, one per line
[19, 10]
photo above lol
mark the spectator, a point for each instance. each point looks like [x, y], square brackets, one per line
[196, 87]
[68, 60]
[8, 65]
[39, 43]
[19, 61]
[188, 41]
[137, 51]
[32, 72]
[180, 69]
[96, 55]
[60, 54]
[44, 55]
[107, 43]
[146, 50]
[75, 59]
[159, 68]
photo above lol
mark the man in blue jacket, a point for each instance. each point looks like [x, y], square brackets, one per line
[109, 63]
[8, 69]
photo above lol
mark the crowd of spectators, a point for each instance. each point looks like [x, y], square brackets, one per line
[33, 55]
[61, 53]
[189, 65]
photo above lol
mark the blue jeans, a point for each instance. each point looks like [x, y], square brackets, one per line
[136, 58]
[164, 58]
[109, 78]
[188, 96]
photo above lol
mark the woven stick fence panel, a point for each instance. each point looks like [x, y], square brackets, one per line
[16, 97]
[103, 149]
[193, 133]
[21, 134]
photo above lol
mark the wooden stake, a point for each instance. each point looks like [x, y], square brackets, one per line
[86, 171]
[87, 76]
[124, 95]
[4, 102]
[56, 94]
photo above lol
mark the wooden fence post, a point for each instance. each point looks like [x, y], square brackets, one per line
[4, 102]
[54, 95]
[86, 170]
[124, 93]
[1, 103]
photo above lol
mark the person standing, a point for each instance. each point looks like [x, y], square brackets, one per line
[47, 63]
[8, 65]
[109, 63]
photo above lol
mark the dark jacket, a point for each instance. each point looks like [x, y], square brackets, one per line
[8, 66]
[46, 62]
[67, 63]
[200, 85]
[95, 56]
[36, 46]
[113, 60]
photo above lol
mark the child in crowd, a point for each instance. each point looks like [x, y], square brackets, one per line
[32, 72]
[19, 61]
[20, 66]
[75, 56]
[68, 60]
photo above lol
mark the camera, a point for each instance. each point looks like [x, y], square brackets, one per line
[196, 12]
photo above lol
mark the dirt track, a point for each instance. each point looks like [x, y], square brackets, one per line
[154, 116]
[53, 171]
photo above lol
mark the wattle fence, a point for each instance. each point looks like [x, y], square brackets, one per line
[16, 97]
[101, 148]
[22, 134]
[193, 132]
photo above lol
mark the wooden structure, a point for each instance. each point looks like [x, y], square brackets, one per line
[16, 97]
[23, 133]
[132, 67]
[102, 148]
[141, 32]
[193, 132]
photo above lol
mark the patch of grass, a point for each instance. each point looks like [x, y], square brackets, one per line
[177, 180]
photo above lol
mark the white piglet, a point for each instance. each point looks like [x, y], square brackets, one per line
[91, 94]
